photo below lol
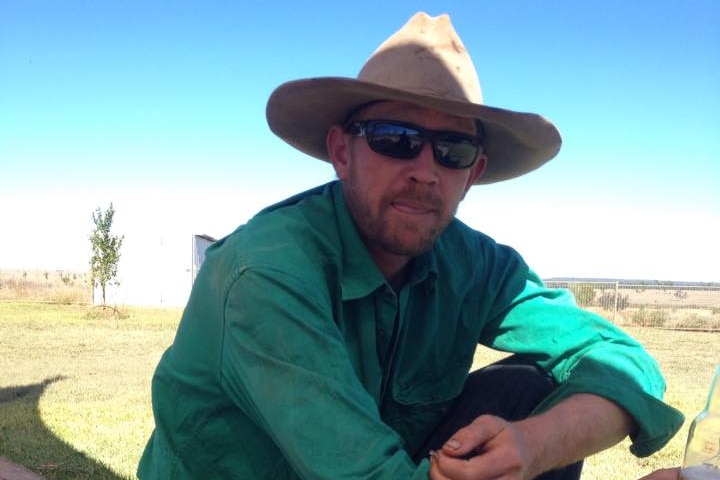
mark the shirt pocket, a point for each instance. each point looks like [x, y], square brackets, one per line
[419, 402]
[428, 387]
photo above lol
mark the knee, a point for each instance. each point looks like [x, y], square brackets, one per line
[515, 387]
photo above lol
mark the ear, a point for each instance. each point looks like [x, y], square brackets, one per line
[337, 143]
[477, 170]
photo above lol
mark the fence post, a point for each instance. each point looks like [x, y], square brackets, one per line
[617, 292]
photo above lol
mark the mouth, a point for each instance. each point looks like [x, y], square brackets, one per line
[413, 207]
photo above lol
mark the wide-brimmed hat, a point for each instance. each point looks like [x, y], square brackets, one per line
[425, 63]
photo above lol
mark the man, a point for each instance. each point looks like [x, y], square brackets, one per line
[331, 337]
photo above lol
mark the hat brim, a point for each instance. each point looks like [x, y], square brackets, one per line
[301, 112]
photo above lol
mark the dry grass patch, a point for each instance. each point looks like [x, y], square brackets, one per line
[58, 286]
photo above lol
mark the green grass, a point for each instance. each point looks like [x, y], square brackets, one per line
[75, 389]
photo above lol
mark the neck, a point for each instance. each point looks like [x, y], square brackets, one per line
[392, 267]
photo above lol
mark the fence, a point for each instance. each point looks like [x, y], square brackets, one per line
[679, 306]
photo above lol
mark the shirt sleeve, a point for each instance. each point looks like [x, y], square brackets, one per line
[585, 353]
[285, 364]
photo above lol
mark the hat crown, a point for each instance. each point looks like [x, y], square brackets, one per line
[426, 57]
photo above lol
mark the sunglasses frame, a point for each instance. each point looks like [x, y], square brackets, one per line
[366, 128]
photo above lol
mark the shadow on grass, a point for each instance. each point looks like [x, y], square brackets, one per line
[25, 439]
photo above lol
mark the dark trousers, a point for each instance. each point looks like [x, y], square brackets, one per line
[509, 389]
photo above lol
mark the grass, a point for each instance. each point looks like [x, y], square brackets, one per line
[75, 388]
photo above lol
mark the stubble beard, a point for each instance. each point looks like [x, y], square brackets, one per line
[395, 237]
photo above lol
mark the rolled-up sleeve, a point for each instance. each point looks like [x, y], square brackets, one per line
[585, 353]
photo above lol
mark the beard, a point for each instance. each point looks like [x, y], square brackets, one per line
[402, 237]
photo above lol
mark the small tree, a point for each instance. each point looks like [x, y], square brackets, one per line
[105, 250]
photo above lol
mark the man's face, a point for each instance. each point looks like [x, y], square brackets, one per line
[401, 205]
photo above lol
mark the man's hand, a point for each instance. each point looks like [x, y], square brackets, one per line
[488, 448]
[491, 448]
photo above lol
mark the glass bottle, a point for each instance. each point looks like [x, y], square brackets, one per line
[702, 453]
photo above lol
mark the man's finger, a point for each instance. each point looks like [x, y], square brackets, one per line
[482, 467]
[470, 439]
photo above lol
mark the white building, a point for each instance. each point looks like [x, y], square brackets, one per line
[157, 271]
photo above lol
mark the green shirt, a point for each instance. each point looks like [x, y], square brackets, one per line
[295, 359]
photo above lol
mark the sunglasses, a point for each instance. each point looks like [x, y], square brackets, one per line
[405, 140]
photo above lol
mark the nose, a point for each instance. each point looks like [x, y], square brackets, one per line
[424, 168]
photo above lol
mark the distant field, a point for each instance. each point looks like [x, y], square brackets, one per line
[677, 297]
[52, 286]
[688, 307]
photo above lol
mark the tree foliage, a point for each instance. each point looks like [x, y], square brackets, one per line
[105, 250]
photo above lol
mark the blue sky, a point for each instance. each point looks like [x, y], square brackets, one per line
[159, 107]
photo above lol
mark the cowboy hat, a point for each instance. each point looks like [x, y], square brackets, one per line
[425, 63]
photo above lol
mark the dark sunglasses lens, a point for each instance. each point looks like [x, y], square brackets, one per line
[394, 140]
[456, 152]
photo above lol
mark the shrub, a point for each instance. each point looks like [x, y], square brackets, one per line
[607, 300]
[584, 293]
[649, 318]
[658, 318]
